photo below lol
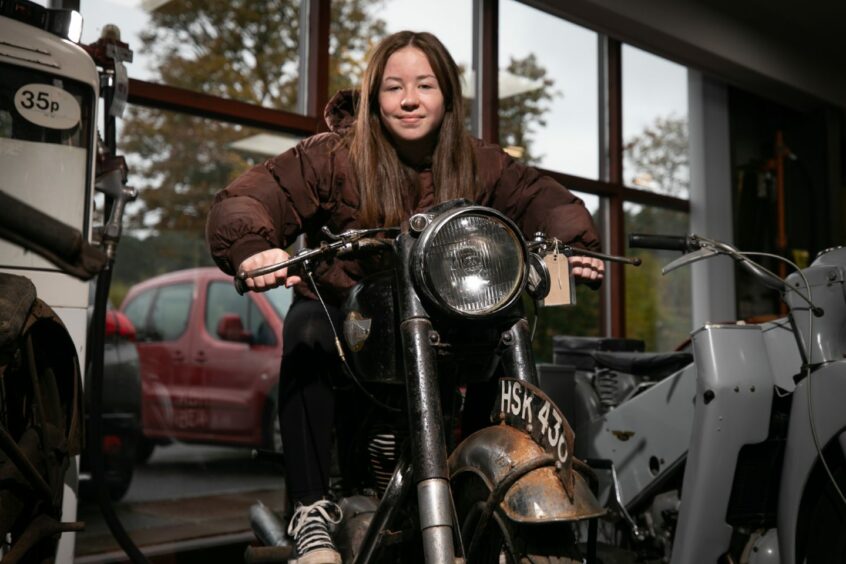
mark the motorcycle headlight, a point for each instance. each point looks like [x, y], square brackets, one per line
[471, 262]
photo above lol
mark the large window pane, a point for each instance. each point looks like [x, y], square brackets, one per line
[247, 51]
[658, 308]
[581, 319]
[205, 402]
[655, 124]
[358, 25]
[548, 90]
[179, 162]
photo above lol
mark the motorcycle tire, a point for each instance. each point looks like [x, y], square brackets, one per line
[825, 542]
[551, 543]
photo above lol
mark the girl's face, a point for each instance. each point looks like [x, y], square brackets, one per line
[411, 103]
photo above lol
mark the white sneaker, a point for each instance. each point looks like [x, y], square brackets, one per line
[309, 527]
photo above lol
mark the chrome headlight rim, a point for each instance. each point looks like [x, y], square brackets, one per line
[422, 277]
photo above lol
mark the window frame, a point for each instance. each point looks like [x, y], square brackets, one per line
[314, 57]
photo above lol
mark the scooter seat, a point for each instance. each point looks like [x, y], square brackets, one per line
[656, 365]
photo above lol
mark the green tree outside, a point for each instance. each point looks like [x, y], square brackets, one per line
[658, 157]
[658, 308]
[522, 114]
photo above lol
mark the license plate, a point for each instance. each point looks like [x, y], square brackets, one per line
[526, 407]
[190, 418]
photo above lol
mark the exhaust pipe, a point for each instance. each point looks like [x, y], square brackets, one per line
[270, 531]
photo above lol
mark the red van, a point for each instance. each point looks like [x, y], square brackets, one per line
[209, 359]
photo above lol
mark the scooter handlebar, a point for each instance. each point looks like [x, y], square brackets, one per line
[681, 243]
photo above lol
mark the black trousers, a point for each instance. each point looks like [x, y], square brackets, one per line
[310, 367]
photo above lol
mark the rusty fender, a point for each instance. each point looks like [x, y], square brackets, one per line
[536, 497]
[53, 347]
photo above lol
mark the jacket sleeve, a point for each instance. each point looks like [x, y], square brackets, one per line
[270, 204]
[535, 201]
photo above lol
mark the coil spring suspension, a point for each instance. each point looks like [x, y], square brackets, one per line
[607, 387]
[383, 453]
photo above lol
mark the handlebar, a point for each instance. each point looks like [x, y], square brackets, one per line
[571, 252]
[543, 244]
[343, 243]
[357, 239]
[696, 248]
[681, 243]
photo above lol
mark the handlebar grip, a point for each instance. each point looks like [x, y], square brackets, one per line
[240, 286]
[662, 242]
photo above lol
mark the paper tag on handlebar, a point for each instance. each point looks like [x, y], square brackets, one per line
[561, 281]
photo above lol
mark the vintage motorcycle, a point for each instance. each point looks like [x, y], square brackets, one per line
[448, 312]
[41, 388]
[737, 456]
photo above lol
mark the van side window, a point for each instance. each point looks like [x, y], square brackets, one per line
[169, 317]
[138, 311]
[259, 327]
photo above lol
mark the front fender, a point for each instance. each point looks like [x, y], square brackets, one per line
[55, 350]
[539, 496]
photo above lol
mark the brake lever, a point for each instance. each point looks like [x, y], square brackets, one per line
[328, 232]
[695, 256]
[304, 255]
[340, 242]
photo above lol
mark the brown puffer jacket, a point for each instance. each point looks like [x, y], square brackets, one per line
[311, 185]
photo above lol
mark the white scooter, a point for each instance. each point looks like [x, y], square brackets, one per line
[739, 455]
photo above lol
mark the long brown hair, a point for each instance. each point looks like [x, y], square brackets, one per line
[387, 186]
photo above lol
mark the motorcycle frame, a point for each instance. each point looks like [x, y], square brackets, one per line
[425, 463]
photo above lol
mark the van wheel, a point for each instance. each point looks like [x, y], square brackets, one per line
[119, 485]
[144, 450]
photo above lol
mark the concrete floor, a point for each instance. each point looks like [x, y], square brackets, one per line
[170, 527]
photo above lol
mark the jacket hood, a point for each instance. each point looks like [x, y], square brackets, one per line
[340, 111]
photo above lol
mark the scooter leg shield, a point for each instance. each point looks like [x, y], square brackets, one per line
[538, 496]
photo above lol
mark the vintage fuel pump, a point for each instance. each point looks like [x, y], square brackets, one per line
[52, 160]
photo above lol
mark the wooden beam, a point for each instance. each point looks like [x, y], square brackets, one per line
[616, 243]
[487, 87]
[171, 98]
[320, 12]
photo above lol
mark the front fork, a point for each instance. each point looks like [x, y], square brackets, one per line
[428, 445]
